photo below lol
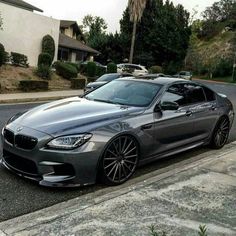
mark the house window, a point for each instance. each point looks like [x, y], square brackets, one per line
[79, 56]
[63, 54]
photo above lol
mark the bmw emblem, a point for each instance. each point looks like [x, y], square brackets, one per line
[19, 129]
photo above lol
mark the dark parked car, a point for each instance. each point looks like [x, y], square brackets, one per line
[184, 75]
[104, 79]
[111, 131]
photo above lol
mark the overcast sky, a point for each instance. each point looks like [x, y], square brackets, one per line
[110, 10]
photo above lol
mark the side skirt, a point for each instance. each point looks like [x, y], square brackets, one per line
[170, 153]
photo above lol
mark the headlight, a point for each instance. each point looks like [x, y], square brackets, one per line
[69, 142]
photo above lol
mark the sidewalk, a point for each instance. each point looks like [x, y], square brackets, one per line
[38, 96]
[176, 201]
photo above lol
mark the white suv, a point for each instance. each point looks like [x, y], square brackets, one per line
[135, 70]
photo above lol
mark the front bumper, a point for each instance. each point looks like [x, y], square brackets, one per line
[55, 168]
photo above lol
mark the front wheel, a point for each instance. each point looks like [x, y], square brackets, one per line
[221, 133]
[119, 161]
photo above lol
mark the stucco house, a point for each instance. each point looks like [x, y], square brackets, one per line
[72, 45]
[24, 28]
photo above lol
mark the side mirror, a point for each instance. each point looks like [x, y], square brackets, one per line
[169, 106]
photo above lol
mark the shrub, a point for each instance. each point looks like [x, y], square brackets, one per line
[77, 66]
[33, 85]
[65, 70]
[101, 71]
[155, 70]
[7, 57]
[172, 68]
[111, 68]
[91, 79]
[2, 55]
[83, 68]
[44, 71]
[18, 59]
[91, 69]
[44, 59]
[223, 68]
[48, 46]
[78, 83]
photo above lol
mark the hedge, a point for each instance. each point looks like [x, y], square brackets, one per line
[91, 69]
[44, 71]
[33, 85]
[111, 68]
[48, 46]
[18, 59]
[78, 83]
[2, 55]
[65, 70]
[100, 70]
[77, 66]
[91, 79]
[44, 59]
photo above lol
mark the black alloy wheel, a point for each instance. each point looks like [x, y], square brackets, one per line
[120, 160]
[221, 133]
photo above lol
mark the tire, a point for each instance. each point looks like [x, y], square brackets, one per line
[119, 160]
[221, 133]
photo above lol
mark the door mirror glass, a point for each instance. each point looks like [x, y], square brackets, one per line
[169, 106]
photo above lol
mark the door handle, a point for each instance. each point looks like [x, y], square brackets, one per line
[148, 126]
[189, 113]
[213, 108]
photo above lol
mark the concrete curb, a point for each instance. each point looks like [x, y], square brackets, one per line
[28, 100]
[38, 96]
[65, 209]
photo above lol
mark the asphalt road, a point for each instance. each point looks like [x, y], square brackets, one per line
[19, 196]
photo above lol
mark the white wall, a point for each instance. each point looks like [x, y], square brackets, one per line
[23, 31]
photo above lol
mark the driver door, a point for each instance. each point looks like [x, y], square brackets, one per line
[174, 128]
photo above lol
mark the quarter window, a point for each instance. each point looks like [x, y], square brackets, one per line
[210, 95]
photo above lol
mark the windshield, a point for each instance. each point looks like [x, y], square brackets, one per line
[124, 92]
[108, 77]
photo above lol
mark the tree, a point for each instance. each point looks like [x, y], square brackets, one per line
[136, 9]
[93, 26]
[162, 35]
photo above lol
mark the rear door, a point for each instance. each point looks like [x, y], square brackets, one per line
[204, 109]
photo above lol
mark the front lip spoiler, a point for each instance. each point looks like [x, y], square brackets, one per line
[45, 180]
[20, 173]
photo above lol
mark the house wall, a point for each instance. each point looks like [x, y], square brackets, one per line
[23, 31]
[70, 32]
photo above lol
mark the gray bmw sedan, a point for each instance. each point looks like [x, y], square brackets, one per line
[108, 133]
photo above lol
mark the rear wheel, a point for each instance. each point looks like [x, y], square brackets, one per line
[221, 133]
[119, 160]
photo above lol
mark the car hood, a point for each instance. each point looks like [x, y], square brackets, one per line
[67, 115]
[97, 84]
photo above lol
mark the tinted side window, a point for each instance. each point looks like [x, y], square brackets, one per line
[210, 95]
[195, 94]
[176, 93]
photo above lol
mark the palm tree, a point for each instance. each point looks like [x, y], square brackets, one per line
[136, 9]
